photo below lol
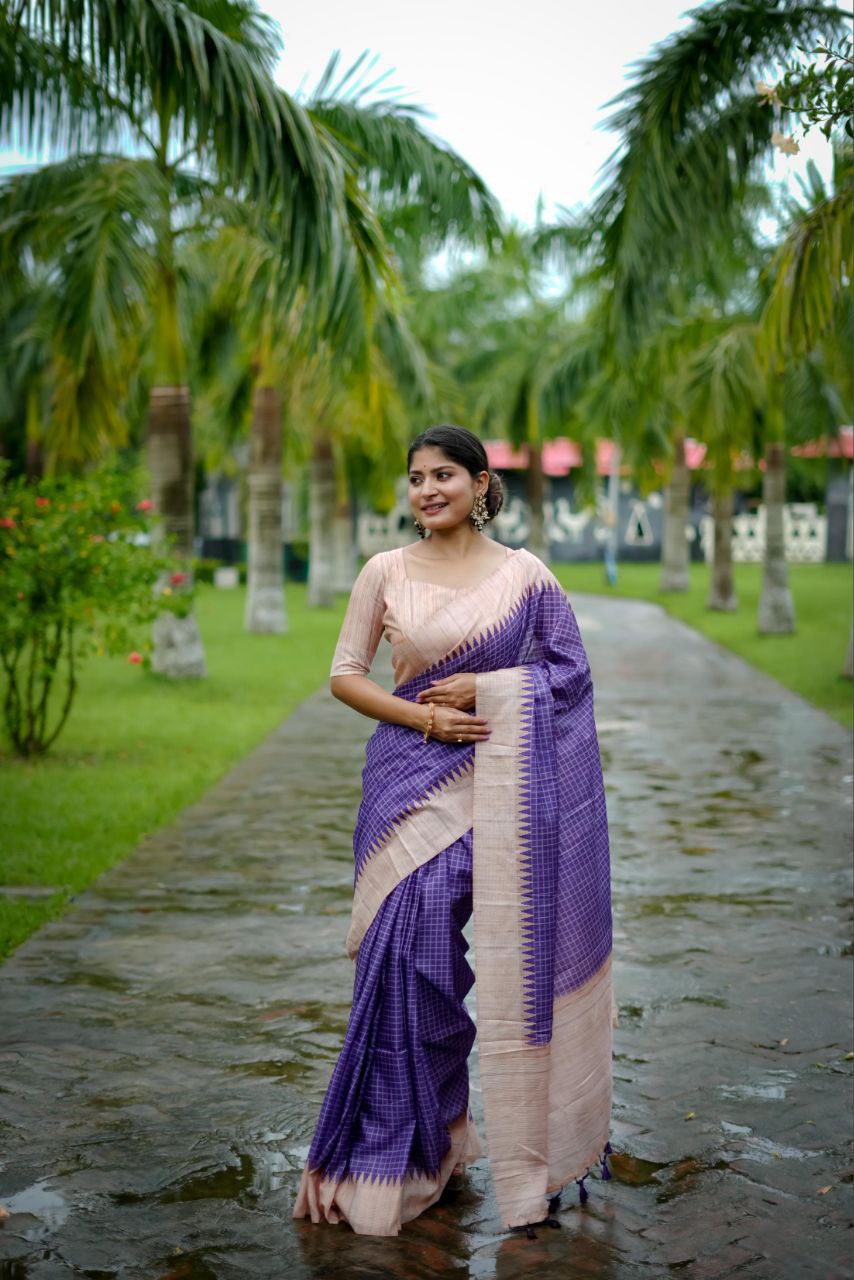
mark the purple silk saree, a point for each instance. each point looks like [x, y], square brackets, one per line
[515, 830]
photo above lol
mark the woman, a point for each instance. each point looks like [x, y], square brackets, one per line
[482, 790]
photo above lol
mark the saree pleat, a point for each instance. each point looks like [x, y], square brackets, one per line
[514, 832]
[401, 1081]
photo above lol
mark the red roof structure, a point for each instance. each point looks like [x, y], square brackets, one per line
[561, 455]
[839, 446]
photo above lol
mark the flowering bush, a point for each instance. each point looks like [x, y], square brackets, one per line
[77, 576]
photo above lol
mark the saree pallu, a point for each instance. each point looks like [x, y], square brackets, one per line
[514, 830]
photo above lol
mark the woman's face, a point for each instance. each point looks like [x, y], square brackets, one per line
[441, 492]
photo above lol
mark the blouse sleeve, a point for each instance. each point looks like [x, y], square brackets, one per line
[362, 628]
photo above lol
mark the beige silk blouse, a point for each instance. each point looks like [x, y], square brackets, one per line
[386, 602]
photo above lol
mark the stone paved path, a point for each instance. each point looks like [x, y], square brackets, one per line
[165, 1046]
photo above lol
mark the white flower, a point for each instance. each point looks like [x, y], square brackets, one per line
[767, 92]
[785, 143]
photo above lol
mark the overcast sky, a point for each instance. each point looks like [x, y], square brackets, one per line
[517, 89]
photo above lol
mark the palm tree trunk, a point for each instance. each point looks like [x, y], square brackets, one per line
[265, 594]
[776, 607]
[345, 549]
[848, 669]
[722, 595]
[178, 648]
[536, 486]
[675, 571]
[321, 518]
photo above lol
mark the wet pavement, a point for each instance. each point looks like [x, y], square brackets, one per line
[165, 1045]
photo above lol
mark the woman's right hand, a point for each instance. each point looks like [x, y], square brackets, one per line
[452, 725]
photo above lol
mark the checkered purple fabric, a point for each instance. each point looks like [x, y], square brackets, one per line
[402, 1075]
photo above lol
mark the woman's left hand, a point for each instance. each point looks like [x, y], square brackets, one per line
[454, 691]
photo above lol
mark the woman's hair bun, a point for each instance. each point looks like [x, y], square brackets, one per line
[494, 495]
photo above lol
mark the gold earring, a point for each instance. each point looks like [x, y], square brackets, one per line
[479, 514]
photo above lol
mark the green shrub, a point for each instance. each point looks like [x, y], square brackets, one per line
[79, 576]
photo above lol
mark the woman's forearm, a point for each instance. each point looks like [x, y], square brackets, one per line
[362, 694]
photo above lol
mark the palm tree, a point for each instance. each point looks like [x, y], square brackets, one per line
[187, 89]
[352, 338]
[725, 395]
[694, 134]
[355, 417]
[809, 307]
[694, 130]
[491, 331]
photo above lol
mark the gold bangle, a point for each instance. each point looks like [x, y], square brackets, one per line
[429, 729]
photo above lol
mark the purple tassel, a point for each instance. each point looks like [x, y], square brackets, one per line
[583, 1194]
[606, 1172]
[608, 1148]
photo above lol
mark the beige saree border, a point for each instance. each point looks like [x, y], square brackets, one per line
[380, 1206]
[444, 817]
[547, 1107]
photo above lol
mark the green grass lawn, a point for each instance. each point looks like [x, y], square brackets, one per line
[809, 661]
[138, 748]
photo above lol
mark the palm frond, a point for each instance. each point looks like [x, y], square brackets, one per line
[692, 131]
[83, 221]
[810, 274]
[386, 143]
[204, 71]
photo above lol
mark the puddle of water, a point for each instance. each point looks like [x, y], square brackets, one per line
[185, 1266]
[628, 726]
[48, 1206]
[744, 759]
[682, 1176]
[631, 1012]
[839, 950]
[764, 1151]
[634, 1171]
[668, 904]
[756, 1092]
[78, 978]
[250, 1175]
[275, 1067]
[324, 1017]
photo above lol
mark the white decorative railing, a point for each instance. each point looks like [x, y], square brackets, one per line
[804, 534]
[804, 529]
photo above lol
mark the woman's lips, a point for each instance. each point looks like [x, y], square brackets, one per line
[436, 506]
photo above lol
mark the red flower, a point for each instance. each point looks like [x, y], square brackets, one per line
[7, 522]
[177, 578]
[42, 502]
[145, 505]
[135, 658]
